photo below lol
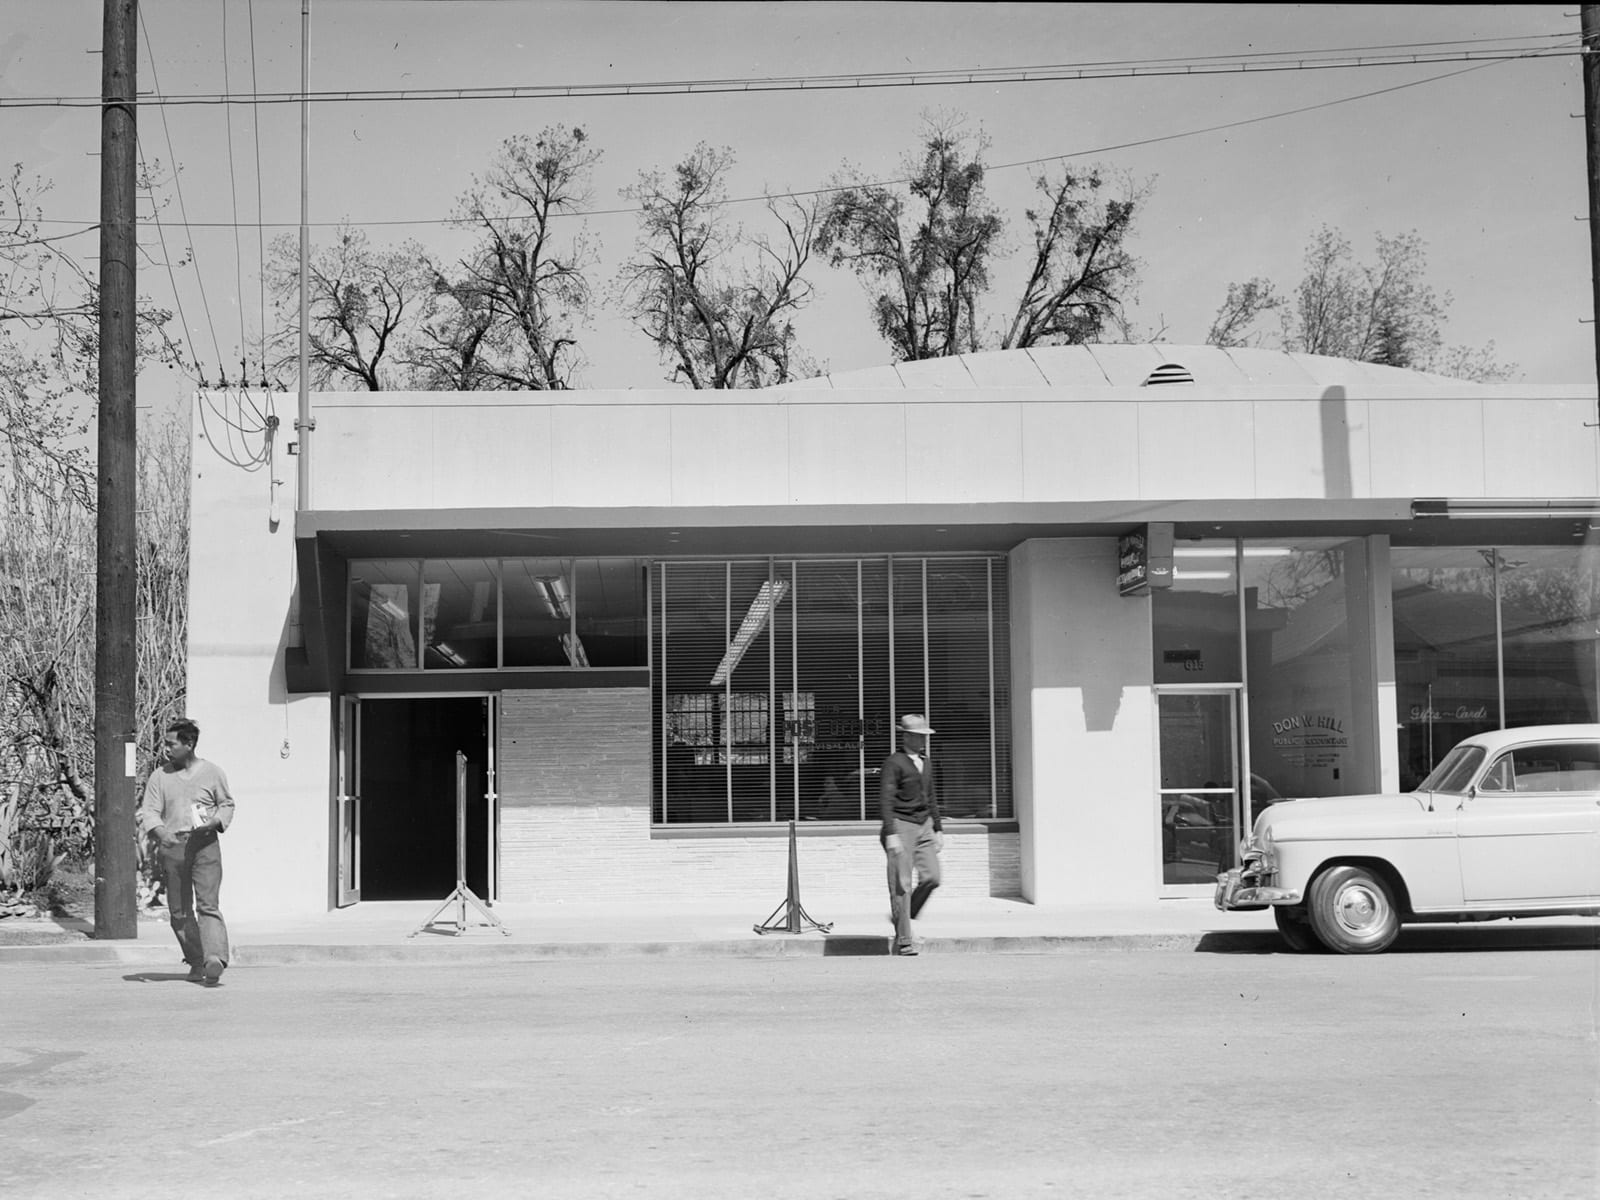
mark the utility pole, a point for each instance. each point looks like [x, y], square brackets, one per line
[115, 899]
[1591, 124]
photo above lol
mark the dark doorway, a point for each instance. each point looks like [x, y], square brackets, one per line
[408, 795]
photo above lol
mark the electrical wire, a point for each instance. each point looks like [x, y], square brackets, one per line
[183, 212]
[1418, 54]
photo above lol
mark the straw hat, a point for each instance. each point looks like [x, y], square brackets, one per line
[915, 723]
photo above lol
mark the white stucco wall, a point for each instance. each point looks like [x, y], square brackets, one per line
[381, 450]
[241, 577]
[1084, 772]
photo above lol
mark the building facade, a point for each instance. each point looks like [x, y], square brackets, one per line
[1140, 591]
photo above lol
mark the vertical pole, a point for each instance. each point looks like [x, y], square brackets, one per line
[115, 581]
[1591, 114]
[303, 423]
[461, 817]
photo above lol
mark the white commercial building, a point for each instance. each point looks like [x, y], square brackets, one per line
[1139, 590]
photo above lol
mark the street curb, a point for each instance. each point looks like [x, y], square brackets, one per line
[478, 949]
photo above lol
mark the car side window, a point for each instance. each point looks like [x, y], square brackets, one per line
[1499, 776]
[1556, 767]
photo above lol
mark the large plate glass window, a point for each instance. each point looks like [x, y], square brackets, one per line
[777, 683]
[1490, 637]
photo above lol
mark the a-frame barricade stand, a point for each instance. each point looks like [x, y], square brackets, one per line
[462, 896]
[795, 918]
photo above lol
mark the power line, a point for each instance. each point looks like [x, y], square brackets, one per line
[1419, 54]
[177, 185]
[833, 188]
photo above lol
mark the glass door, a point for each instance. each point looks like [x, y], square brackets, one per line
[1200, 811]
[348, 802]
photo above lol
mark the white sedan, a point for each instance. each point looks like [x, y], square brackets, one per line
[1508, 824]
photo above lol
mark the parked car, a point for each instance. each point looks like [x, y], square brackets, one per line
[1507, 825]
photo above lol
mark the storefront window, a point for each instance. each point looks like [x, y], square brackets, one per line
[1490, 637]
[460, 606]
[1269, 625]
[777, 685]
[383, 615]
[484, 613]
[1196, 620]
[1309, 694]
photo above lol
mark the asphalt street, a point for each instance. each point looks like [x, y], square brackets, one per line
[1459, 1073]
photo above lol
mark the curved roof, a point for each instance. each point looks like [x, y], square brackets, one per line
[1130, 365]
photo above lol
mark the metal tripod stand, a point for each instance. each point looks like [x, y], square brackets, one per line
[462, 897]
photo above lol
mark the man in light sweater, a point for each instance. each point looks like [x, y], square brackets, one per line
[912, 834]
[186, 806]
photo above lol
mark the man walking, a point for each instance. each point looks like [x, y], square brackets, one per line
[186, 806]
[912, 834]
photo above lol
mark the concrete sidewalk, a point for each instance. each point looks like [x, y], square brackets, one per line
[392, 932]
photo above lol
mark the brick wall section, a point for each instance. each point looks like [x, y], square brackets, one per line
[575, 824]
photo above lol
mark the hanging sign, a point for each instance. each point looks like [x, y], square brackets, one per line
[1144, 559]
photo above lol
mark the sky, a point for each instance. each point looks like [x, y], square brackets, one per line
[1485, 161]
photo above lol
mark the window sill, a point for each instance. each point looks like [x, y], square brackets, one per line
[955, 827]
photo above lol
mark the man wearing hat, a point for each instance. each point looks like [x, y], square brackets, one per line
[911, 836]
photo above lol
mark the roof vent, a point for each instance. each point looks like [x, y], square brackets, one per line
[1168, 373]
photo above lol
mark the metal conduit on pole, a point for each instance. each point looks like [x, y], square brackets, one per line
[116, 848]
[1590, 59]
[303, 424]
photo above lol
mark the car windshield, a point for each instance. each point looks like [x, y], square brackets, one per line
[1455, 772]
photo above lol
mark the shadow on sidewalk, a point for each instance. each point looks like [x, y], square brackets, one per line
[854, 945]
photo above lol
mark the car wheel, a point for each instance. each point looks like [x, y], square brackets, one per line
[1295, 926]
[1352, 911]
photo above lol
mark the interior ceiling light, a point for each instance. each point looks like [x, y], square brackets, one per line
[755, 620]
[553, 591]
[1227, 551]
[577, 656]
[1572, 508]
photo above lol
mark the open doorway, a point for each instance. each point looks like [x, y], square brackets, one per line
[407, 770]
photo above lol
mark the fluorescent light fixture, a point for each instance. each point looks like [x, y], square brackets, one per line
[390, 609]
[553, 591]
[1202, 574]
[755, 620]
[1227, 552]
[577, 656]
[1576, 508]
[449, 653]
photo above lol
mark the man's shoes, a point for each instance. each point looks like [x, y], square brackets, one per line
[197, 973]
[212, 971]
[910, 948]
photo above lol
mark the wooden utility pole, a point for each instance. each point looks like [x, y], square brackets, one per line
[1591, 125]
[115, 848]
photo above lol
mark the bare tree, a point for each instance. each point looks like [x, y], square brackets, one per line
[363, 306]
[510, 310]
[49, 349]
[720, 319]
[1236, 318]
[1082, 272]
[923, 251]
[1383, 311]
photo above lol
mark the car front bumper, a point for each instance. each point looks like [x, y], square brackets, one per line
[1238, 890]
